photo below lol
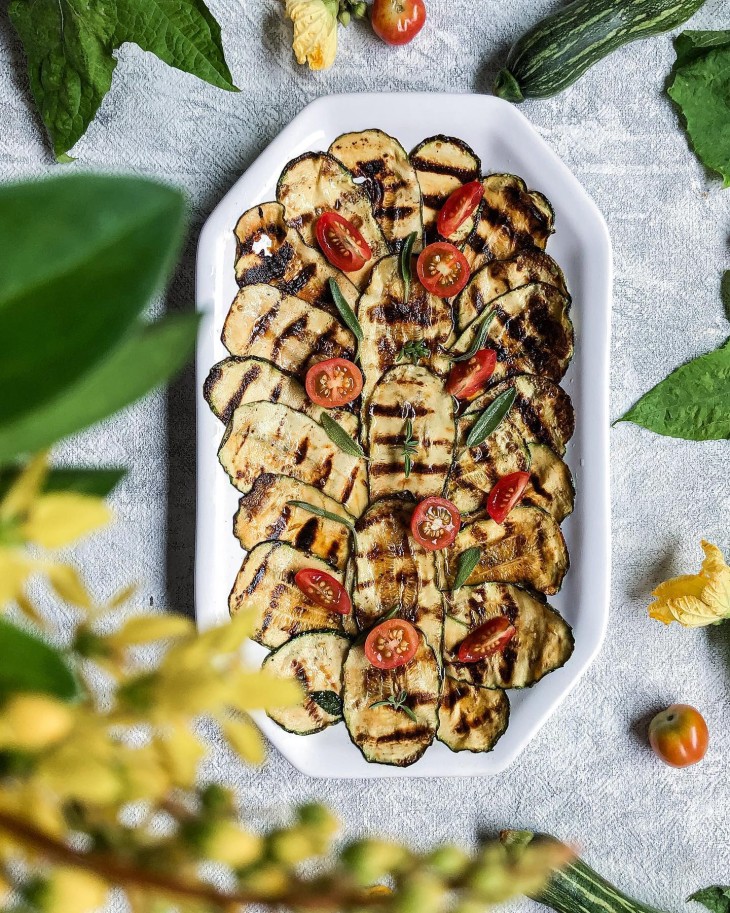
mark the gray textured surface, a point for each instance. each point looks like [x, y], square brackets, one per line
[588, 776]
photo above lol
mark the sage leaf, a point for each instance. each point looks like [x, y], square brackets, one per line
[31, 665]
[490, 418]
[346, 312]
[329, 701]
[320, 512]
[337, 434]
[465, 565]
[454, 618]
[405, 264]
[715, 898]
[97, 482]
[479, 339]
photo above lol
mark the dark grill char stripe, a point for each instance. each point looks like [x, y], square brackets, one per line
[263, 323]
[269, 269]
[298, 282]
[295, 329]
[435, 201]
[533, 420]
[399, 410]
[415, 732]
[394, 213]
[250, 377]
[431, 167]
[307, 535]
[424, 469]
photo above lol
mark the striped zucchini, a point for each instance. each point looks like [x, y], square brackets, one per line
[560, 48]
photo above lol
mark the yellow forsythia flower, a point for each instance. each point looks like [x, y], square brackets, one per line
[73, 891]
[696, 600]
[232, 846]
[315, 31]
[31, 722]
[59, 518]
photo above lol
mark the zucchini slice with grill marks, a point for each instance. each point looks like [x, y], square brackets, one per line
[392, 570]
[471, 719]
[406, 394]
[551, 483]
[265, 583]
[527, 549]
[542, 411]
[268, 251]
[443, 164]
[315, 661]
[269, 437]
[316, 183]
[543, 642]
[264, 514]
[385, 735]
[390, 180]
[502, 276]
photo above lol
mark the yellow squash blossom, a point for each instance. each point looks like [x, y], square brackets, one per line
[315, 31]
[696, 600]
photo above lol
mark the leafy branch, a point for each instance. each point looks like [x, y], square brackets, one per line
[398, 702]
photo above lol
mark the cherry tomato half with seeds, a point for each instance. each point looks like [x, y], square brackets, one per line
[435, 523]
[490, 638]
[679, 736]
[323, 590]
[467, 378]
[341, 243]
[333, 383]
[505, 494]
[442, 269]
[460, 206]
[391, 644]
[398, 21]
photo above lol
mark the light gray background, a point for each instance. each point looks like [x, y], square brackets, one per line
[589, 776]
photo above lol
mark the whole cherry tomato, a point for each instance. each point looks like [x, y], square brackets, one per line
[398, 21]
[679, 735]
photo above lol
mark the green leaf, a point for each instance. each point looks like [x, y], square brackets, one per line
[320, 512]
[144, 360]
[414, 350]
[329, 701]
[479, 339]
[405, 264]
[692, 402]
[466, 563]
[31, 665]
[346, 312]
[700, 87]
[490, 418]
[98, 482]
[337, 434]
[725, 293]
[716, 898]
[88, 253]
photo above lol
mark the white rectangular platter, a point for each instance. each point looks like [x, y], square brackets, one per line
[505, 141]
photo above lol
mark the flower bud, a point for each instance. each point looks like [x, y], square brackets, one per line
[228, 844]
[32, 722]
[344, 18]
[370, 860]
[421, 893]
[360, 10]
[72, 891]
[319, 820]
[267, 880]
[448, 861]
[291, 846]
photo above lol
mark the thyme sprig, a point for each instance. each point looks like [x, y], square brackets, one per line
[398, 702]
[410, 448]
[414, 350]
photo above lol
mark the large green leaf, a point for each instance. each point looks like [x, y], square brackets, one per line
[88, 253]
[83, 481]
[716, 898]
[28, 664]
[144, 360]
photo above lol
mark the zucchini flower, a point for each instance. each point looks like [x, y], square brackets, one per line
[315, 28]
[696, 600]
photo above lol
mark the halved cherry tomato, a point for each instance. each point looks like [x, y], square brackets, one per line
[333, 383]
[490, 638]
[342, 243]
[679, 735]
[435, 523]
[443, 269]
[462, 204]
[505, 494]
[466, 378]
[323, 590]
[391, 644]
[398, 21]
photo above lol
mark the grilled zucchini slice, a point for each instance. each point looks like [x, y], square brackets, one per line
[264, 514]
[265, 584]
[390, 180]
[315, 661]
[530, 330]
[551, 483]
[527, 549]
[385, 735]
[270, 437]
[471, 719]
[406, 394]
[543, 642]
[316, 183]
[443, 164]
[392, 570]
[510, 218]
[502, 276]
[542, 411]
[388, 323]
[268, 251]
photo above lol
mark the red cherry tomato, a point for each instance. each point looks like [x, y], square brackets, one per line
[391, 644]
[462, 204]
[333, 383]
[679, 735]
[467, 378]
[490, 638]
[435, 523]
[398, 21]
[323, 590]
[342, 243]
[505, 494]
[443, 269]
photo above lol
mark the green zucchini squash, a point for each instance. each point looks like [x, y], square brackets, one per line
[560, 48]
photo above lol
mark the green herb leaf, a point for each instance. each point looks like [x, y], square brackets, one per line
[346, 312]
[465, 565]
[414, 350]
[725, 293]
[404, 263]
[458, 621]
[337, 434]
[490, 418]
[479, 339]
[329, 701]
[410, 447]
[397, 702]
[325, 514]
[70, 48]
[716, 898]
[31, 665]
[692, 402]
[98, 482]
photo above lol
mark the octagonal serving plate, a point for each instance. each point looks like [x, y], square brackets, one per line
[505, 141]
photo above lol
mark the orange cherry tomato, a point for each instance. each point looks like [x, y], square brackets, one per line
[398, 21]
[460, 206]
[391, 644]
[435, 523]
[467, 378]
[341, 243]
[490, 638]
[333, 383]
[505, 494]
[442, 269]
[323, 590]
[679, 735]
